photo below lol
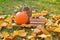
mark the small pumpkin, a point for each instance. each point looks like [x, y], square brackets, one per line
[21, 18]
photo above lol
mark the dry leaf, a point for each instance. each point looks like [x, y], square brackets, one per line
[5, 34]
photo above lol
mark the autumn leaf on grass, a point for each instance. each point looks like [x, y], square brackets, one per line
[44, 12]
[5, 34]
[16, 7]
[1, 21]
[4, 24]
[8, 19]
[56, 17]
[57, 29]
[22, 33]
[15, 33]
[9, 26]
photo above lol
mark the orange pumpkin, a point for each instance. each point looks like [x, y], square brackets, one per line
[21, 17]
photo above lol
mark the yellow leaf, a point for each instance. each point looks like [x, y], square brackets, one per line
[5, 34]
[15, 33]
[8, 19]
[21, 31]
[1, 21]
[9, 25]
[37, 14]
[44, 12]
[33, 15]
[59, 25]
[24, 34]
[57, 29]
[16, 7]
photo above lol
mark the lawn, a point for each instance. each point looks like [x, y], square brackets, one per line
[9, 6]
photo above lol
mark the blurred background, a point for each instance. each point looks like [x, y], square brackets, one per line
[9, 6]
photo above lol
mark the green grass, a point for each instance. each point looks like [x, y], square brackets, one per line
[8, 6]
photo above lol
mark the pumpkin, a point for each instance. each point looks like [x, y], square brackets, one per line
[21, 18]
